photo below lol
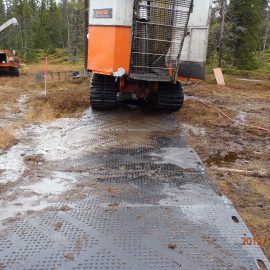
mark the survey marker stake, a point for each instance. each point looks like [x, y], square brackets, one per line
[46, 74]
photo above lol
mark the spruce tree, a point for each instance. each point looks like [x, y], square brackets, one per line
[246, 30]
[2, 12]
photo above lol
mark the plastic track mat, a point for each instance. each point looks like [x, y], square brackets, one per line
[146, 203]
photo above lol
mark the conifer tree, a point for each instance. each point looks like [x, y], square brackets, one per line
[246, 29]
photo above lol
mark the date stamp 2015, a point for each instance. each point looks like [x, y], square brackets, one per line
[252, 241]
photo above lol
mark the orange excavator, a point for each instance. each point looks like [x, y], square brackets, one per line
[136, 47]
[9, 61]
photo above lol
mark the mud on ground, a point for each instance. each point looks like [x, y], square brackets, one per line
[23, 100]
[223, 146]
[237, 158]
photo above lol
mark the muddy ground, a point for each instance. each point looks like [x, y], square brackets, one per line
[237, 158]
[225, 146]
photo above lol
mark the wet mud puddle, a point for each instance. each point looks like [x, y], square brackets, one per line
[222, 159]
[33, 174]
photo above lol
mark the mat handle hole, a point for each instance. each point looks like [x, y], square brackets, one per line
[262, 265]
[235, 219]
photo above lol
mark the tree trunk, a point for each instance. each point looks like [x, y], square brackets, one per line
[266, 33]
[75, 48]
[222, 29]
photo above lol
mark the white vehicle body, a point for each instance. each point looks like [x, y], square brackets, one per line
[194, 51]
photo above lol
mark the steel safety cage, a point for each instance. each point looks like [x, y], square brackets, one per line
[159, 30]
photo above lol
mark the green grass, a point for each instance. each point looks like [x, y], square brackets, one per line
[263, 70]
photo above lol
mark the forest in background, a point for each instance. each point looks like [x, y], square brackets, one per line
[45, 27]
[239, 34]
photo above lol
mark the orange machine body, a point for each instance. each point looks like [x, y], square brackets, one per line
[110, 36]
[109, 48]
[8, 60]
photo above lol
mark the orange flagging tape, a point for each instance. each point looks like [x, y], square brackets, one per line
[238, 123]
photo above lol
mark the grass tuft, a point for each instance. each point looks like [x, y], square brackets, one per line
[57, 104]
[7, 138]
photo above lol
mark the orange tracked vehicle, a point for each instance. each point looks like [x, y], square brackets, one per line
[9, 61]
[141, 48]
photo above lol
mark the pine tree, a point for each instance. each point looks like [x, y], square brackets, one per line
[266, 27]
[54, 25]
[2, 12]
[41, 39]
[246, 29]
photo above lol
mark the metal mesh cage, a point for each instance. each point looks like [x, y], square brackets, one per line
[158, 33]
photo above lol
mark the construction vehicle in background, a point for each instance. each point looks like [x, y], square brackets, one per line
[9, 61]
[143, 48]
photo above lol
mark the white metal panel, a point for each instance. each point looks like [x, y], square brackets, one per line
[186, 49]
[196, 43]
[122, 12]
[200, 14]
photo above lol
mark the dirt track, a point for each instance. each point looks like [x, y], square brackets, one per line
[219, 143]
